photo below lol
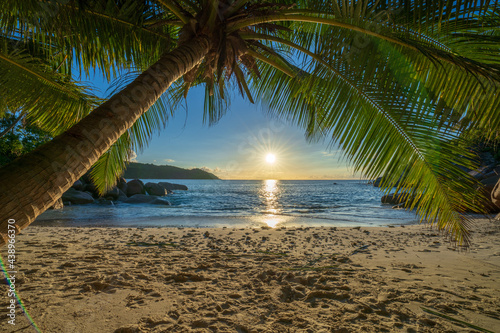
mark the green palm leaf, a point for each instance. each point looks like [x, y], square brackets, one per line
[94, 35]
[50, 99]
[110, 166]
[390, 121]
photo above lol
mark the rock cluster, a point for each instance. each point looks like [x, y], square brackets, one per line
[394, 199]
[135, 191]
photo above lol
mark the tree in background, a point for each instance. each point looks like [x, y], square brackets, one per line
[18, 138]
[397, 85]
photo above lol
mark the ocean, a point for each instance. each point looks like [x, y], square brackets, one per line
[245, 203]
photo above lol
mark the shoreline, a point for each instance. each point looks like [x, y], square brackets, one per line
[297, 279]
[255, 220]
[251, 202]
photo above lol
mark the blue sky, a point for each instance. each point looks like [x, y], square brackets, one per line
[236, 147]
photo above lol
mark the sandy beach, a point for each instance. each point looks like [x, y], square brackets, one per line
[255, 280]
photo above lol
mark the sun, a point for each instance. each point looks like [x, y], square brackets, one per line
[270, 158]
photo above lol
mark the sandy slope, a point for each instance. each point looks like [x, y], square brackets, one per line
[245, 280]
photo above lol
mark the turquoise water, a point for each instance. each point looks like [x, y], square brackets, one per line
[246, 203]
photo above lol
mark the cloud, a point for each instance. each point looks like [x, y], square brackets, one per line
[169, 160]
[132, 156]
[330, 153]
[326, 153]
[207, 169]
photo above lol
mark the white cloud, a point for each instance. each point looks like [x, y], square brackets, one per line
[215, 170]
[330, 153]
[132, 156]
[169, 160]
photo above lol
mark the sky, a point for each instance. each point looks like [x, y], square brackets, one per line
[236, 147]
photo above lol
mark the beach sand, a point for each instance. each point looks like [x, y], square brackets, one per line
[255, 280]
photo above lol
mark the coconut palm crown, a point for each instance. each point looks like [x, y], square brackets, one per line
[397, 85]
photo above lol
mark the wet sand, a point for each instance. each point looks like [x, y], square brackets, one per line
[255, 280]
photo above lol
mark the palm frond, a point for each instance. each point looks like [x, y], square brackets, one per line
[111, 165]
[464, 92]
[175, 10]
[217, 100]
[51, 100]
[100, 35]
[384, 128]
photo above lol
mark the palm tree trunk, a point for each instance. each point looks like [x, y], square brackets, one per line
[32, 183]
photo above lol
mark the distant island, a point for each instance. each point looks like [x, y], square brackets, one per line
[151, 171]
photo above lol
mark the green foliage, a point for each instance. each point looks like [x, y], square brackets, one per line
[151, 171]
[480, 143]
[21, 139]
[111, 165]
[48, 98]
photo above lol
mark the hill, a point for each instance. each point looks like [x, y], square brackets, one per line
[151, 171]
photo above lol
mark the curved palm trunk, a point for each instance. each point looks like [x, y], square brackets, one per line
[31, 184]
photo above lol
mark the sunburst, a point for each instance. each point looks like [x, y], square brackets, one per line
[270, 158]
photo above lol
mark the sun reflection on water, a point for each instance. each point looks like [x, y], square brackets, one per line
[272, 222]
[270, 194]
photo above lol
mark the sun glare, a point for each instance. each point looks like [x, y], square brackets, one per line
[270, 158]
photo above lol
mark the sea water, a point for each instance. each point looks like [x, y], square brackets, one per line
[245, 203]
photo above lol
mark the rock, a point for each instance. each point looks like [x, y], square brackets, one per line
[78, 185]
[155, 189]
[171, 187]
[140, 198]
[486, 158]
[91, 188]
[58, 204]
[378, 182]
[134, 187]
[483, 172]
[122, 196]
[89, 193]
[487, 191]
[122, 184]
[86, 178]
[103, 201]
[490, 181]
[494, 172]
[77, 197]
[114, 193]
[161, 201]
[394, 199]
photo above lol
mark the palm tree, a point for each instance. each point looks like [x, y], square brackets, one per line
[396, 84]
